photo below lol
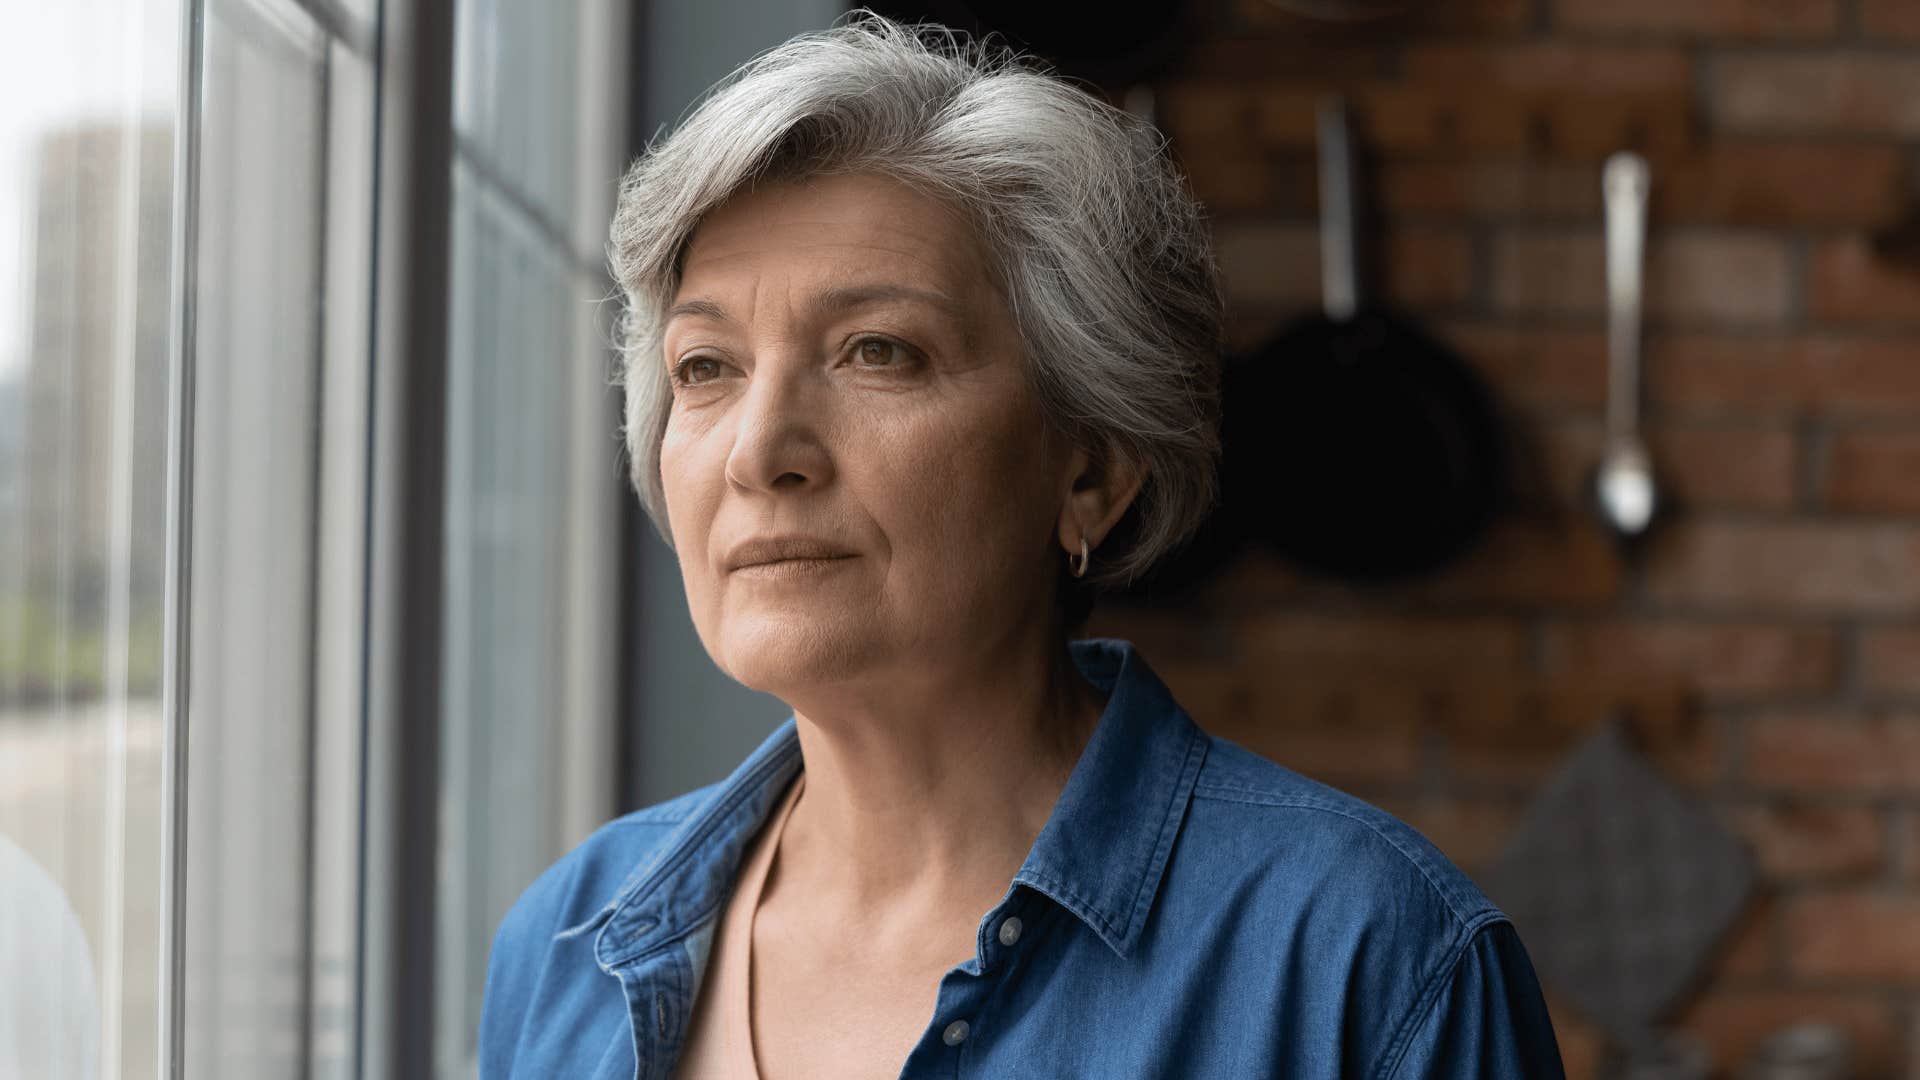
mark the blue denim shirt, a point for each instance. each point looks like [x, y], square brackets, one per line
[1189, 910]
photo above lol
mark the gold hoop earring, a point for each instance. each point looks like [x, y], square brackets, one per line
[1078, 568]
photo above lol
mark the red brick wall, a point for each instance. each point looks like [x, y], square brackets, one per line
[1768, 644]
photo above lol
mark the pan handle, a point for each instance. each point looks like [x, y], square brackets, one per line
[1339, 259]
[1624, 181]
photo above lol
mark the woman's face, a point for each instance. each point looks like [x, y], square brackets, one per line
[857, 473]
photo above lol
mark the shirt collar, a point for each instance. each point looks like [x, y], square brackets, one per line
[1101, 854]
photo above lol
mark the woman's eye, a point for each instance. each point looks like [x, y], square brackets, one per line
[697, 369]
[879, 352]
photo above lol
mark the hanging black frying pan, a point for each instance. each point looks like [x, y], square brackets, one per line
[1358, 446]
[1114, 46]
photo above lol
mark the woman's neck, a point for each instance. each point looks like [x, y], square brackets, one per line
[931, 794]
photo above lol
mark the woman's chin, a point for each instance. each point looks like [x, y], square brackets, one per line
[783, 652]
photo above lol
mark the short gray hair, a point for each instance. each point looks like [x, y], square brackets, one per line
[1101, 254]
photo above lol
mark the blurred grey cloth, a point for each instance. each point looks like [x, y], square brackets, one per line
[49, 1002]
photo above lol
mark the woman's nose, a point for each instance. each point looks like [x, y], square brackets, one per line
[777, 442]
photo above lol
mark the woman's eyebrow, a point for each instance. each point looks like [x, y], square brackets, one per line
[706, 308]
[842, 297]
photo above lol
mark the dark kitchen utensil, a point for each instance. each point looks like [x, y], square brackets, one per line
[1342, 10]
[1109, 45]
[1620, 886]
[1624, 489]
[1358, 446]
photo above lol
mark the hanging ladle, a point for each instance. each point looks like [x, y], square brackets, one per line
[1624, 489]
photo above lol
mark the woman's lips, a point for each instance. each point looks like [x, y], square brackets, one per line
[778, 569]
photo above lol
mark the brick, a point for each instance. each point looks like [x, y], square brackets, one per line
[1912, 857]
[1394, 119]
[1550, 67]
[1223, 181]
[1835, 752]
[1714, 277]
[1523, 754]
[1707, 18]
[1376, 643]
[1860, 376]
[1532, 563]
[1748, 949]
[1829, 92]
[1206, 118]
[1734, 1022]
[1775, 183]
[1508, 188]
[1847, 282]
[1278, 264]
[1699, 373]
[1857, 935]
[1419, 119]
[1799, 566]
[1427, 266]
[1164, 636]
[1214, 694]
[1468, 831]
[1270, 263]
[1341, 733]
[1583, 125]
[1721, 467]
[1546, 368]
[1891, 19]
[1262, 58]
[1718, 467]
[1890, 659]
[1530, 759]
[1802, 841]
[1721, 660]
[1521, 731]
[1456, 15]
[1287, 117]
[1873, 471]
[1583, 1046]
[1750, 182]
[1824, 375]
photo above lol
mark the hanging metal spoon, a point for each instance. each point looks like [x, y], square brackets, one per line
[1624, 488]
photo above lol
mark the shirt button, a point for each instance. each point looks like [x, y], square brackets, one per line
[1010, 930]
[955, 1034]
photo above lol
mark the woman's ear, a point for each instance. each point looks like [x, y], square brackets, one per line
[1102, 488]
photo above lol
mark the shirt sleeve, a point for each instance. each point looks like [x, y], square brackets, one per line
[1489, 1019]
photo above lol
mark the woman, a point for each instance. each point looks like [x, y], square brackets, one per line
[921, 346]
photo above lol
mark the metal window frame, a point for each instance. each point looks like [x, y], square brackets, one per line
[407, 468]
[401, 537]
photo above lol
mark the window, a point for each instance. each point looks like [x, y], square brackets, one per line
[534, 479]
[87, 148]
[217, 490]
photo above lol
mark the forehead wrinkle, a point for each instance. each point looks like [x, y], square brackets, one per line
[840, 298]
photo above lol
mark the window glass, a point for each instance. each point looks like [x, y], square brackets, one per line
[279, 354]
[533, 475]
[88, 115]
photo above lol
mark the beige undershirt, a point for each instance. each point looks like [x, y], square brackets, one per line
[720, 1044]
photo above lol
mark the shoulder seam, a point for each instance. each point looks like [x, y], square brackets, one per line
[1301, 802]
[1429, 999]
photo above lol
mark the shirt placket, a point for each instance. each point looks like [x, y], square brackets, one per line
[953, 1043]
[659, 997]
